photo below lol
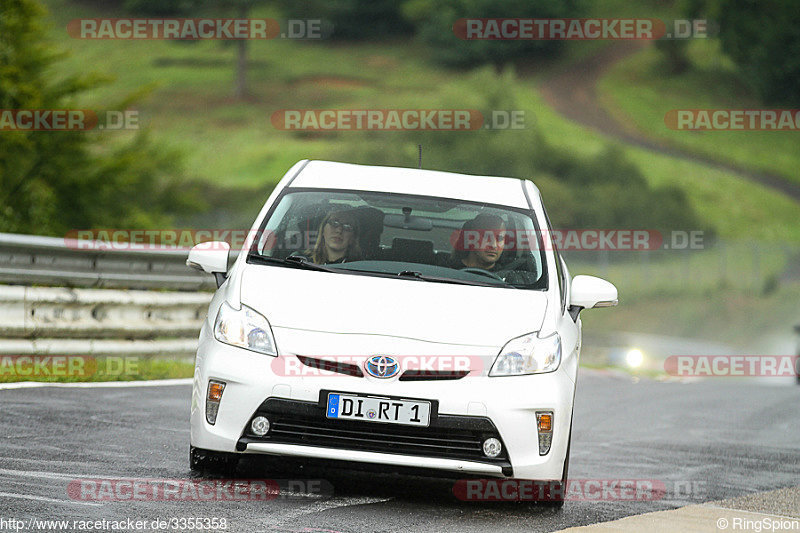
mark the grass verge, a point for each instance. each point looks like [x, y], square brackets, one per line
[640, 92]
[78, 369]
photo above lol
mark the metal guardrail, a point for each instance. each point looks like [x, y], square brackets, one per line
[81, 309]
[60, 312]
[70, 321]
[32, 259]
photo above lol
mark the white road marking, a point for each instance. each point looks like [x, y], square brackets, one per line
[43, 499]
[318, 507]
[97, 384]
[40, 475]
[45, 475]
[312, 508]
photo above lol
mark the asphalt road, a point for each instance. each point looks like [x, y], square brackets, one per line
[704, 441]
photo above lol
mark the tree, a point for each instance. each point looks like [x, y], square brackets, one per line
[175, 8]
[54, 181]
[761, 37]
[352, 20]
[434, 21]
[674, 53]
[602, 191]
[239, 9]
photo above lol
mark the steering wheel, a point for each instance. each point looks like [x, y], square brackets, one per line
[516, 263]
[482, 272]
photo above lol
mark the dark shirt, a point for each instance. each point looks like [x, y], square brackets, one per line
[458, 264]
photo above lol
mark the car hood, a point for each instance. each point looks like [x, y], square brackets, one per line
[412, 309]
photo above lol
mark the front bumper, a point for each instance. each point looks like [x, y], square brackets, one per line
[479, 406]
[389, 459]
[449, 440]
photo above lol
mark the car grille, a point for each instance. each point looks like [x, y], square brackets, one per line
[347, 369]
[350, 369]
[433, 375]
[304, 423]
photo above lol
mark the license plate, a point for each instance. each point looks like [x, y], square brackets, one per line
[388, 411]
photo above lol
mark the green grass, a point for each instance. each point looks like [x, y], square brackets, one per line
[747, 267]
[232, 142]
[749, 321]
[587, 361]
[639, 92]
[735, 207]
[94, 369]
[191, 107]
[741, 294]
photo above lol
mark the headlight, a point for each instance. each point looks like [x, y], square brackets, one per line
[244, 328]
[528, 354]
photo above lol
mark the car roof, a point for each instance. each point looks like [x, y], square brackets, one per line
[488, 189]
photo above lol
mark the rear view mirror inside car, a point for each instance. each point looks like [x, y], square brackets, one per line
[408, 222]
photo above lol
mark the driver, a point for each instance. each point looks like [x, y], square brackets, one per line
[480, 243]
[337, 240]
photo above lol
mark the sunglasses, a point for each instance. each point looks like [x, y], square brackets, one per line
[335, 225]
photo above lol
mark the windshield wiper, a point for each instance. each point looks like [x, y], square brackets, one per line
[296, 261]
[420, 276]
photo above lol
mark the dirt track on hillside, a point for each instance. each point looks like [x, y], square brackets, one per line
[573, 93]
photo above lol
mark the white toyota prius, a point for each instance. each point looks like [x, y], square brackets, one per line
[397, 317]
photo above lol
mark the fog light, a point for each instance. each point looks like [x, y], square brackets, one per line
[213, 397]
[259, 426]
[492, 447]
[544, 425]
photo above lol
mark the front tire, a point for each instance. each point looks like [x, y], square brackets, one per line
[797, 367]
[560, 488]
[201, 460]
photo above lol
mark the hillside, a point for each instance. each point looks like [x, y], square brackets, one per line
[188, 106]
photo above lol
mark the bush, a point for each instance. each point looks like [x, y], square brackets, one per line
[674, 53]
[352, 19]
[434, 20]
[172, 8]
[54, 181]
[762, 38]
[605, 191]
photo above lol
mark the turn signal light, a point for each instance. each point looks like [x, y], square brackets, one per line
[213, 397]
[215, 391]
[545, 421]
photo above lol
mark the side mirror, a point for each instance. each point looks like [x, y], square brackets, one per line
[211, 257]
[590, 292]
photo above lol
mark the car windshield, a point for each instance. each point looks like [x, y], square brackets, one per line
[398, 235]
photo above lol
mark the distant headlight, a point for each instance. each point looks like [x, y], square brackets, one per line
[634, 358]
[244, 328]
[528, 354]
